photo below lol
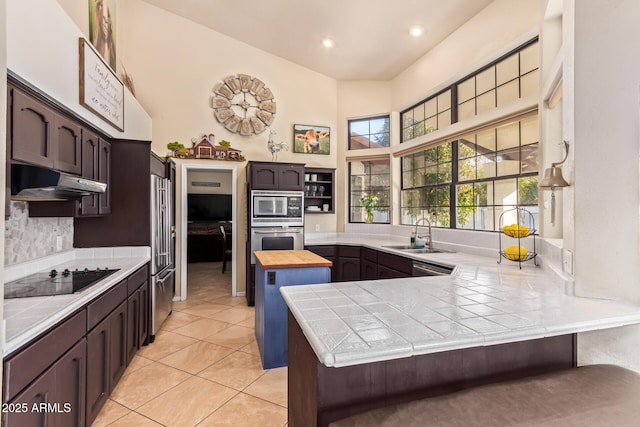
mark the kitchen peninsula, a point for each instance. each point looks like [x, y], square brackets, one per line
[355, 346]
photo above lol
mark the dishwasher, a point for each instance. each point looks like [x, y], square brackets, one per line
[421, 268]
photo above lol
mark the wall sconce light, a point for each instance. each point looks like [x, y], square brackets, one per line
[553, 179]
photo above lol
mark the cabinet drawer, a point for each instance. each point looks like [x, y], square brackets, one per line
[24, 367]
[395, 262]
[323, 251]
[101, 307]
[137, 279]
[349, 251]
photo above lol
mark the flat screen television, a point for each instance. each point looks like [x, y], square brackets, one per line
[208, 207]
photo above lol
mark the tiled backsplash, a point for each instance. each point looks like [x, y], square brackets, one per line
[30, 238]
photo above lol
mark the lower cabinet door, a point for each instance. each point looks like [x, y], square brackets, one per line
[133, 325]
[98, 350]
[24, 410]
[118, 347]
[71, 379]
[144, 321]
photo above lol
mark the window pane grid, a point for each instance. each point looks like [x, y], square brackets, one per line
[494, 171]
[370, 182]
[369, 133]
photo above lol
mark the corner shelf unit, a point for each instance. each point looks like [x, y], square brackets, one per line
[324, 193]
[523, 217]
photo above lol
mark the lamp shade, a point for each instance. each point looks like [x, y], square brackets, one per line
[553, 178]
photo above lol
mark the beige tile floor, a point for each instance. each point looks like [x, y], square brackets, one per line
[204, 367]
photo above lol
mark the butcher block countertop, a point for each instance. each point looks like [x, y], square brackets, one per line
[290, 259]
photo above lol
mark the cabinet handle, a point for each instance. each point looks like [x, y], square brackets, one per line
[81, 383]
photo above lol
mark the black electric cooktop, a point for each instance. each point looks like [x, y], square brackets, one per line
[54, 282]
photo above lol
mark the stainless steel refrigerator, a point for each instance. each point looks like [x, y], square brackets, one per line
[162, 252]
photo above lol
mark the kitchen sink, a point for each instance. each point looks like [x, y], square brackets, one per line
[409, 249]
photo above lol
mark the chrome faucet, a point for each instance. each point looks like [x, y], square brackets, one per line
[428, 236]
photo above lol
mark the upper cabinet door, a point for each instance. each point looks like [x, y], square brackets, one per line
[291, 177]
[68, 147]
[32, 136]
[264, 177]
[104, 175]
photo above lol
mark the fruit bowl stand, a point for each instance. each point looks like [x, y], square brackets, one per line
[522, 216]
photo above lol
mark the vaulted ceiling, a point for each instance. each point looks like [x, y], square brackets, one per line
[371, 37]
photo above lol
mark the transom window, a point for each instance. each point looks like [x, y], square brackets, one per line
[369, 133]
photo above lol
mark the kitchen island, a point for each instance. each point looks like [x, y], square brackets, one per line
[275, 270]
[355, 346]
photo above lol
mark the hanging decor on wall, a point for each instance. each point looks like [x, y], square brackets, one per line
[311, 139]
[101, 91]
[243, 104]
[102, 29]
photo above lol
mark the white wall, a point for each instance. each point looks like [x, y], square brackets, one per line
[486, 33]
[175, 65]
[604, 119]
[48, 59]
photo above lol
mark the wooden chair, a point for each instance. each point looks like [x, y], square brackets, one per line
[226, 252]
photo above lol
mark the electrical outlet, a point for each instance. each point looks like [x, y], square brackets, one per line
[59, 243]
[271, 277]
[317, 227]
[567, 261]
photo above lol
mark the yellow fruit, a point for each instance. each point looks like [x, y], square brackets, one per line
[514, 231]
[515, 253]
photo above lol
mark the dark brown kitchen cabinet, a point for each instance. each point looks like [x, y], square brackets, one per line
[319, 191]
[137, 311]
[68, 145]
[106, 359]
[63, 383]
[41, 136]
[106, 346]
[369, 264]
[276, 176]
[327, 252]
[96, 165]
[390, 273]
[31, 130]
[61, 386]
[348, 268]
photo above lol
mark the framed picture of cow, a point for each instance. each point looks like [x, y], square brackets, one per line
[311, 139]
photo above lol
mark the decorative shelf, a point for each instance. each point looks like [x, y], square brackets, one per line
[326, 179]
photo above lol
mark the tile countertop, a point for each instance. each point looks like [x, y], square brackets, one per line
[26, 318]
[482, 303]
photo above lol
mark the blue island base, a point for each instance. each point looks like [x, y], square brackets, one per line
[271, 310]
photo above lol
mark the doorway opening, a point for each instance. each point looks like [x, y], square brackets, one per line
[213, 205]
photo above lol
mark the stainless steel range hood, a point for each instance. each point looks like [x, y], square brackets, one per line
[33, 183]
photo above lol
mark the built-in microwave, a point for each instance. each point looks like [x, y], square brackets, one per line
[277, 208]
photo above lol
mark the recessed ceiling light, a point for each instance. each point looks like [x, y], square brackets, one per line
[327, 43]
[416, 30]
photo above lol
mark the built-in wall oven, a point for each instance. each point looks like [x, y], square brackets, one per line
[276, 220]
[268, 238]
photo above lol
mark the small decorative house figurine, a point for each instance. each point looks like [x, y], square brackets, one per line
[204, 149]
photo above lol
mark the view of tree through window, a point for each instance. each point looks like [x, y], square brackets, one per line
[485, 173]
[369, 190]
[369, 133]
